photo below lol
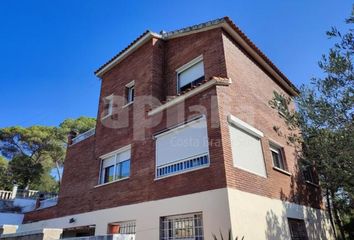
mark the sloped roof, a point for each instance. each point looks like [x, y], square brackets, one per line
[227, 24]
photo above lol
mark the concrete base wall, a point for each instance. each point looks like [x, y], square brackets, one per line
[249, 215]
[257, 217]
[213, 204]
[43, 234]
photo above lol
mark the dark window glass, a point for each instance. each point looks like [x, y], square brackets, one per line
[297, 229]
[308, 174]
[191, 84]
[130, 92]
[109, 174]
[277, 155]
[123, 169]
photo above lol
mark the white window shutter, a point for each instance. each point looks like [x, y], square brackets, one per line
[189, 75]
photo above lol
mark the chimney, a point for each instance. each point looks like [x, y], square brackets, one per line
[72, 134]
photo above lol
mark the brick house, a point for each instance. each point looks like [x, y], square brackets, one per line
[184, 147]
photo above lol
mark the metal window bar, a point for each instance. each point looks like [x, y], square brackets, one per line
[182, 227]
[183, 165]
[127, 227]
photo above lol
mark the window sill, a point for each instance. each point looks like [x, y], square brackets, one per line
[104, 184]
[282, 171]
[128, 104]
[312, 184]
[251, 172]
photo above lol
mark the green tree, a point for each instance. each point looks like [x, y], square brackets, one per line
[35, 150]
[324, 116]
[81, 124]
[5, 178]
[58, 148]
[25, 171]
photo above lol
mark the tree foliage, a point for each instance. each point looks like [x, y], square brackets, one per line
[324, 116]
[34, 151]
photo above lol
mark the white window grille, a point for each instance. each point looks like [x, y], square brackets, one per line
[186, 227]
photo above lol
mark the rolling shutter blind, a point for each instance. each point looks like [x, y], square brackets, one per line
[247, 151]
[182, 143]
[193, 73]
[109, 161]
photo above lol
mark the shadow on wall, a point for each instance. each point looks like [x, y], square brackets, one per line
[278, 227]
[301, 193]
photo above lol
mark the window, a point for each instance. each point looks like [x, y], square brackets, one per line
[116, 166]
[278, 157]
[128, 227]
[297, 229]
[190, 74]
[308, 174]
[189, 145]
[130, 92]
[109, 105]
[188, 226]
[246, 147]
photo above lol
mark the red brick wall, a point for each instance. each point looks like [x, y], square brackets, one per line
[180, 51]
[78, 192]
[153, 67]
[248, 99]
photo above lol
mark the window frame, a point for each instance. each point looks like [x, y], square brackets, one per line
[310, 169]
[117, 163]
[128, 226]
[275, 148]
[234, 122]
[129, 93]
[297, 221]
[186, 67]
[108, 106]
[171, 169]
[174, 222]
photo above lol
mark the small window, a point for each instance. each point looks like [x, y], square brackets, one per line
[109, 105]
[297, 229]
[187, 226]
[278, 157]
[128, 227]
[115, 167]
[308, 174]
[191, 74]
[130, 92]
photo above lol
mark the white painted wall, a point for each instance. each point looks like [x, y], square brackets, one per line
[10, 218]
[213, 204]
[257, 217]
[249, 215]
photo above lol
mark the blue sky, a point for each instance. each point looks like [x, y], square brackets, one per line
[50, 49]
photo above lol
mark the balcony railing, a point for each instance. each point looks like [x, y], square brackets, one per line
[84, 136]
[106, 237]
[5, 195]
[24, 194]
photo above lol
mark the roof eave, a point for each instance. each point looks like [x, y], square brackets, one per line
[285, 83]
[139, 42]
